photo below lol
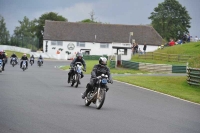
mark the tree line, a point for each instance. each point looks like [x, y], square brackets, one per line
[170, 19]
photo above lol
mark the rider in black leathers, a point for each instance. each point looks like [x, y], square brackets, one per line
[40, 57]
[3, 57]
[24, 57]
[32, 56]
[79, 58]
[13, 56]
[99, 69]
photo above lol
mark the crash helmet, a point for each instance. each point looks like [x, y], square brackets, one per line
[103, 60]
[24, 54]
[79, 55]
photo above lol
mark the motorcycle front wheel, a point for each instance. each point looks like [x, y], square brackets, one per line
[77, 79]
[73, 79]
[100, 98]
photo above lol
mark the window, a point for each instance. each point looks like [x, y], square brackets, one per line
[53, 42]
[59, 43]
[81, 44]
[104, 45]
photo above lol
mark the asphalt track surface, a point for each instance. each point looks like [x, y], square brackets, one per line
[39, 100]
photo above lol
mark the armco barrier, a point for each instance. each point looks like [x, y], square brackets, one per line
[154, 67]
[129, 64]
[93, 57]
[193, 76]
[179, 69]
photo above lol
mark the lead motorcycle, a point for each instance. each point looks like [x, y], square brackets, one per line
[76, 74]
[98, 94]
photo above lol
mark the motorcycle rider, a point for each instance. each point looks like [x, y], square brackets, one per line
[79, 58]
[13, 56]
[32, 56]
[40, 57]
[6, 59]
[98, 69]
[24, 57]
[2, 57]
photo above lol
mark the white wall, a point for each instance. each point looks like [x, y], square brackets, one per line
[94, 49]
[149, 48]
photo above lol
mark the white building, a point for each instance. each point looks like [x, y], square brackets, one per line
[64, 39]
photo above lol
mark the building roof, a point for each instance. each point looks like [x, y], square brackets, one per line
[86, 32]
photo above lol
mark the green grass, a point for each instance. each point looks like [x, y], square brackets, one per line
[192, 49]
[19, 54]
[173, 85]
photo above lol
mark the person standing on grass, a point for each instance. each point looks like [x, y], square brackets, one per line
[144, 48]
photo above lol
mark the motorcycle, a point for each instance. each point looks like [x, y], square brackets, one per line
[39, 62]
[31, 61]
[76, 74]
[24, 65]
[13, 61]
[1, 65]
[98, 94]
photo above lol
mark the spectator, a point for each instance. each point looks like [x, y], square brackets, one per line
[179, 42]
[140, 51]
[171, 43]
[188, 37]
[136, 48]
[144, 48]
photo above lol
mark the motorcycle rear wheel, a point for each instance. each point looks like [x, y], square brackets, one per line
[87, 102]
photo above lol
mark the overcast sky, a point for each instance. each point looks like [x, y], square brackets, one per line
[133, 12]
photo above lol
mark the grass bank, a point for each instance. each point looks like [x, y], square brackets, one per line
[19, 55]
[192, 49]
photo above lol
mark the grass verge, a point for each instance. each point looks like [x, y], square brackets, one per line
[19, 55]
[172, 85]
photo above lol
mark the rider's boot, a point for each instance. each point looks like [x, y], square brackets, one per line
[68, 78]
[89, 88]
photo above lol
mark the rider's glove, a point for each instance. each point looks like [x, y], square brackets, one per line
[110, 81]
[84, 69]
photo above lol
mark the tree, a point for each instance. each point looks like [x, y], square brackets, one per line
[88, 21]
[170, 19]
[41, 22]
[26, 28]
[4, 33]
[91, 20]
[24, 34]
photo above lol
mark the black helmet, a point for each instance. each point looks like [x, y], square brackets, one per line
[103, 61]
[79, 55]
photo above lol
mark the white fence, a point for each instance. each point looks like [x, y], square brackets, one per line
[36, 54]
[14, 48]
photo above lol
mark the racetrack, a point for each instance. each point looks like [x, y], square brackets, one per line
[39, 100]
